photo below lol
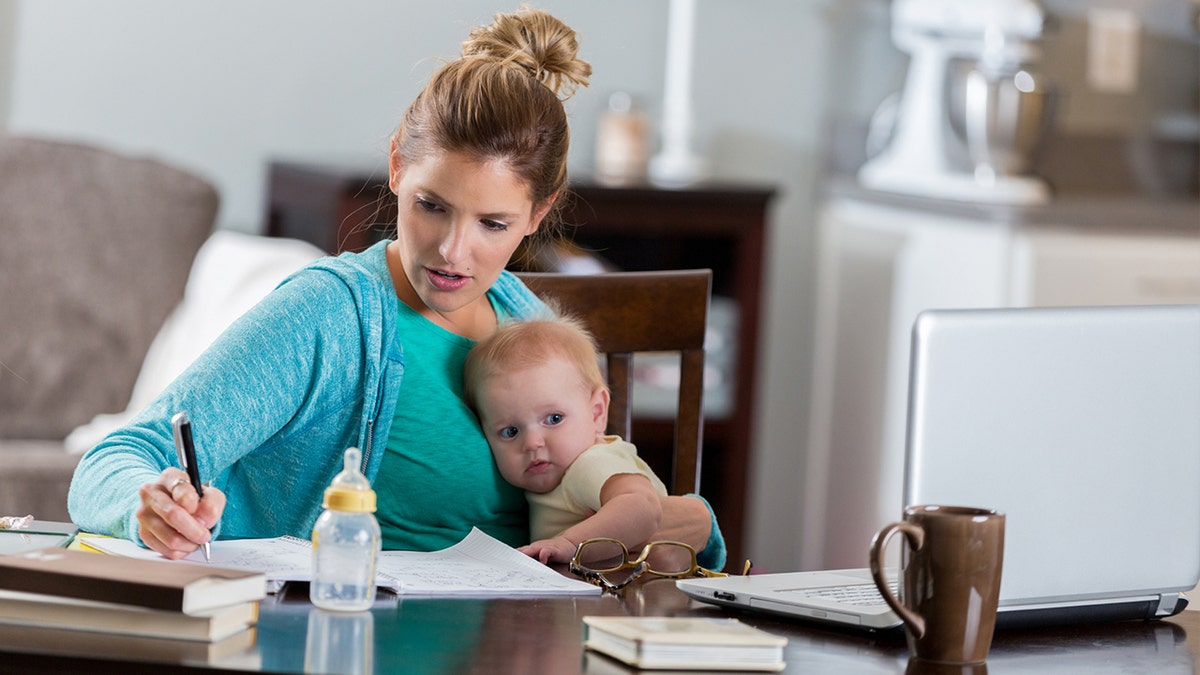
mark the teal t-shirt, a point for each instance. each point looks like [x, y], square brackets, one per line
[437, 478]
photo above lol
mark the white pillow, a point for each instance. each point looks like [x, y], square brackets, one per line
[231, 273]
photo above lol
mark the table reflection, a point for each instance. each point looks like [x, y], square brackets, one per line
[414, 635]
[922, 667]
[526, 635]
[545, 635]
[1126, 647]
[340, 642]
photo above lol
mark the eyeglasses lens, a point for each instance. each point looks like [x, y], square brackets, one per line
[602, 555]
[669, 558]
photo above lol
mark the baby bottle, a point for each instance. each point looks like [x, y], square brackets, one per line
[345, 542]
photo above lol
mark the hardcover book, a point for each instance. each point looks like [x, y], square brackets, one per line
[52, 611]
[169, 586]
[676, 643]
[237, 652]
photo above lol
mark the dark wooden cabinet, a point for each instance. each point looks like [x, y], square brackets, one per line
[716, 226]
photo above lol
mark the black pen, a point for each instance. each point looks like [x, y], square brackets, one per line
[186, 450]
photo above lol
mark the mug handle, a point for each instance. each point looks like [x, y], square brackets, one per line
[916, 539]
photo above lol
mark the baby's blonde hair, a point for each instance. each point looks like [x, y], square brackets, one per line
[522, 344]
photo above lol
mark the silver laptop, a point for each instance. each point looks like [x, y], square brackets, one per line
[1081, 424]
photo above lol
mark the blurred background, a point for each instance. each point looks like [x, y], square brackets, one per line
[788, 95]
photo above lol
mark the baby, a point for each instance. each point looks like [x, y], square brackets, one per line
[543, 404]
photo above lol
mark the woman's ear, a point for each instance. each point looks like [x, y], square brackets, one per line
[600, 399]
[395, 169]
[540, 211]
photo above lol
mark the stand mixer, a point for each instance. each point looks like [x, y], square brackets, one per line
[965, 136]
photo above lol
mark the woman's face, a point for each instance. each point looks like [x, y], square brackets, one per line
[460, 220]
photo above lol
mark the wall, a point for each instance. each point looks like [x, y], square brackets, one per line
[221, 86]
[8, 38]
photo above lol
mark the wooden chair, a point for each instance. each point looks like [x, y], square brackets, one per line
[630, 312]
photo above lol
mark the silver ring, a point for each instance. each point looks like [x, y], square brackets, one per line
[176, 483]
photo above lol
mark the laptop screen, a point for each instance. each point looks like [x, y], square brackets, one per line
[1082, 425]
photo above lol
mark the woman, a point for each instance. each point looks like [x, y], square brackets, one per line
[367, 349]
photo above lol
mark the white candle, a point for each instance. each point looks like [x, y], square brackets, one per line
[675, 163]
[678, 87]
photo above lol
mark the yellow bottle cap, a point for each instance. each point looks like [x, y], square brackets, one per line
[350, 490]
[359, 501]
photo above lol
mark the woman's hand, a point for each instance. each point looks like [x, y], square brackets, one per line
[685, 519]
[173, 519]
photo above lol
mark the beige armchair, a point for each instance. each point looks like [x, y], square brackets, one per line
[95, 253]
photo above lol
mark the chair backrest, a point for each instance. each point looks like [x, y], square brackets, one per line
[636, 312]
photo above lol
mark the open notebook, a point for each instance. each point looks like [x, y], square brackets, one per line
[1082, 425]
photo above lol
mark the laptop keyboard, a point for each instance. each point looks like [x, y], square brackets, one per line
[860, 595]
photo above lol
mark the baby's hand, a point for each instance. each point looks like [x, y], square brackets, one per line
[556, 549]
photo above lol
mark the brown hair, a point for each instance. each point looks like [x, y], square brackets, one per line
[521, 344]
[503, 100]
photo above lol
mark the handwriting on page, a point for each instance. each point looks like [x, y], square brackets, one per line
[477, 565]
[282, 558]
[463, 575]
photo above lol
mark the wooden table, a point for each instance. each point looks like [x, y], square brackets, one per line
[543, 635]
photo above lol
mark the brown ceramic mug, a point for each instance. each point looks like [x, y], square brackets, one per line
[950, 580]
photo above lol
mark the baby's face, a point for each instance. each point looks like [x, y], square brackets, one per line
[537, 420]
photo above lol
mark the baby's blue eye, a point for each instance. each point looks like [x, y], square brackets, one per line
[508, 432]
[554, 419]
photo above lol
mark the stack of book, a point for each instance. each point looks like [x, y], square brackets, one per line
[64, 589]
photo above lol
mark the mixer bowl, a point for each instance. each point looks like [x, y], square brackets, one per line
[1005, 118]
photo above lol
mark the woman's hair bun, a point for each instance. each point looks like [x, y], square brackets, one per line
[536, 41]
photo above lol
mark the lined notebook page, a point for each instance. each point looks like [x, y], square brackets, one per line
[477, 565]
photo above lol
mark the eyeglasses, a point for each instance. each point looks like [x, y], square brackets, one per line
[606, 562]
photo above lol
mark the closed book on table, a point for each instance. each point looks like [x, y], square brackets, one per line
[154, 584]
[52, 611]
[693, 643]
[238, 651]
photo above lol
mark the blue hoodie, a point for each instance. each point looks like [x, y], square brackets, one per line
[311, 370]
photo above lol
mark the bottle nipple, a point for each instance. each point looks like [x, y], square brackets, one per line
[350, 490]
